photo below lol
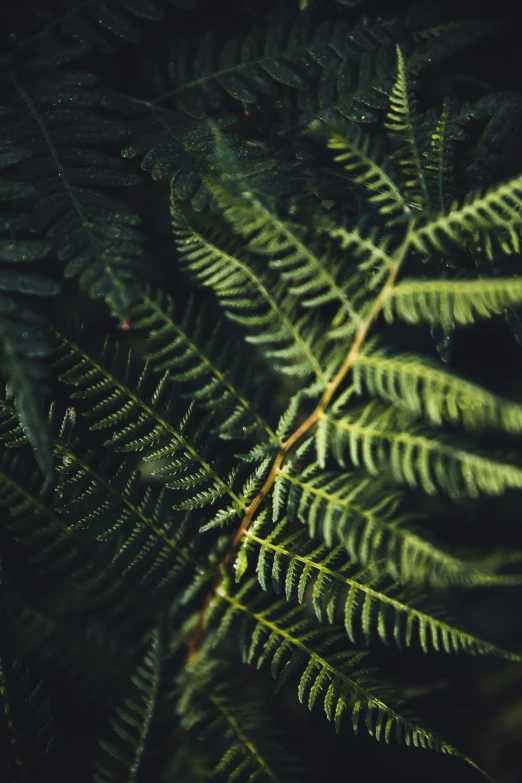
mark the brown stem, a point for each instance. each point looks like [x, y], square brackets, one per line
[195, 638]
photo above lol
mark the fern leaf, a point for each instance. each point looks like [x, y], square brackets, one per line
[405, 127]
[364, 161]
[349, 509]
[390, 441]
[249, 300]
[24, 347]
[424, 389]
[124, 754]
[450, 302]
[370, 603]
[173, 147]
[269, 61]
[12, 434]
[279, 634]
[496, 208]
[307, 268]
[438, 160]
[179, 347]
[236, 732]
[144, 421]
[92, 232]
[147, 544]
[26, 723]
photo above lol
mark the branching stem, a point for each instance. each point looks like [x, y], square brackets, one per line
[366, 324]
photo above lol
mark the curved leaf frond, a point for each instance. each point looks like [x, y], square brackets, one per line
[497, 208]
[277, 633]
[250, 300]
[124, 754]
[308, 269]
[390, 440]
[143, 421]
[370, 603]
[363, 159]
[211, 365]
[349, 509]
[450, 302]
[232, 726]
[405, 127]
[424, 389]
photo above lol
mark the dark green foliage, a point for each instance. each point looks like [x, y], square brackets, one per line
[228, 437]
[27, 726]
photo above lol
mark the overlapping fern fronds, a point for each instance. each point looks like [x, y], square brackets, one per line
[254, 488]
[212, 705]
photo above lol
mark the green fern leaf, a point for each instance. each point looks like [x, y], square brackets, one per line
[144, 422]
[12, 434]
[249, 300]
[368, 600]
[235, 730]
[364, 161]
[26, 724]
[496, 208]
[405, 127]
[109, 504]
[180, 348]
[349, 509]
[450, 302]
[438, 159]
[424, 389]
[280, 634]
[124, 753]
[307, 269]
[390, 441]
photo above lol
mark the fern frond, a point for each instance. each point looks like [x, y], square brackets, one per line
[175, 148]
[24, 349]
[307, 268]
[349, 509]
[144, 421]
[125, 752]
[26, 723]
[367, 599]
[250, 300]
[279, 634]
[12, 434]
[448, 302]
[438, 159]
[498, 208]
[405, 127]
[178, 345]
[363, 159]
[235, 731]
[271, 60]
[92, 232]
[424, 389]
[109, 503]
[389, 440]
